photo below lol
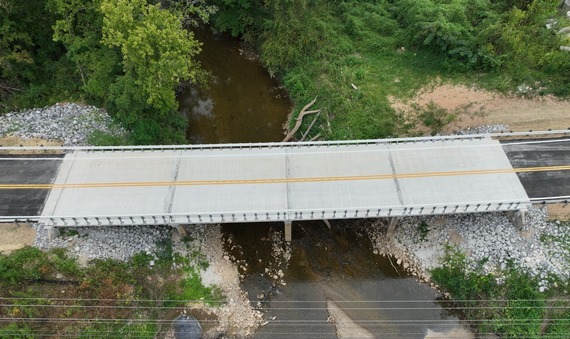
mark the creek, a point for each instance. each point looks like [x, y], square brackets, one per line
[244, 104]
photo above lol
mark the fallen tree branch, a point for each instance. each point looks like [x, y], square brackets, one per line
[8, 88]
[315, 137]
[300, 119]
[310, 126]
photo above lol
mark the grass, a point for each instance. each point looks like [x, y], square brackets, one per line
[51, 284]
[512, 308]
[356, 56]
[422, 231]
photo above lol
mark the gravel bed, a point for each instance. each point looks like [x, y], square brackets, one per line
[484, 129]
[541, 247]
[70, 123]
[110, 242]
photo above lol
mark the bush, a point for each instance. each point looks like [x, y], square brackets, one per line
[514, 308]
[23, 265]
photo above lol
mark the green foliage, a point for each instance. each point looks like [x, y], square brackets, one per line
[99, 138]
[23, 265]
[28, 56]
[112, 270]
[422, 231]
[195, 12]
[392, 48]
[120, 329]
[156, 52]
[128, 56]
[192, 288]
[64, 264]
[236, 16]
[16, 331]
[513, 308]
[28, 280]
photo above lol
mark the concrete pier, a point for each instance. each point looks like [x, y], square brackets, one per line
[288, 230]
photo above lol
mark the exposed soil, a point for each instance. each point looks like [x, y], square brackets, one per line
[13, 141]
[474, 107]
[10, 141]
[559, 212]
[15, 236]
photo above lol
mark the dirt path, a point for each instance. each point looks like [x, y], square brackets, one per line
[475, 107]
[13, 237]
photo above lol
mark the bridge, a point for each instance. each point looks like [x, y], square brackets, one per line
[201, 184]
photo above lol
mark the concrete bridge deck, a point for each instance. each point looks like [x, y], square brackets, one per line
[281, 182]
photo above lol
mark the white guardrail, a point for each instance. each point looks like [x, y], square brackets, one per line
[286, 144]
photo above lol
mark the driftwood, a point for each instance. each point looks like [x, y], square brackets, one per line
[300, 120]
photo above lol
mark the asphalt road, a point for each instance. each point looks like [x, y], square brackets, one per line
[542, 184]
[25, 202]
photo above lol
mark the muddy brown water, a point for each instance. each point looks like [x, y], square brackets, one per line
[243, 104]
[335, 264]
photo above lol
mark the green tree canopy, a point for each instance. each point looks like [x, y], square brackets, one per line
[156, 52]
[131, 56]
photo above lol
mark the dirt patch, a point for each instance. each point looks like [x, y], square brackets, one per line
[559, 212]
[474, 107]
[15, 236]
[13, 141]
[10, 141]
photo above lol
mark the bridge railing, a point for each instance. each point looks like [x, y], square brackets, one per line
[281, 144]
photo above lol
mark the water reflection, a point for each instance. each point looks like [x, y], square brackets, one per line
[241, 103]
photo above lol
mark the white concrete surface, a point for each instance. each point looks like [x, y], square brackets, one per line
[283, 183]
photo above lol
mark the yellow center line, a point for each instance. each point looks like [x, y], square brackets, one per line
[286, 180]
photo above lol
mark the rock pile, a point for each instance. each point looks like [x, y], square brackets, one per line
[71, 123]
[114, 242]
[541, 247]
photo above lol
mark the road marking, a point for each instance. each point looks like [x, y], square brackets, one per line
[286, 180]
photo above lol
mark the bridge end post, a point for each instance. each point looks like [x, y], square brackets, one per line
[288, 231]
[52, 232]
[392, 227]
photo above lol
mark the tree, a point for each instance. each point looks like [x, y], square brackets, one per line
[25, 45]
[131, 56]
[156, 52]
